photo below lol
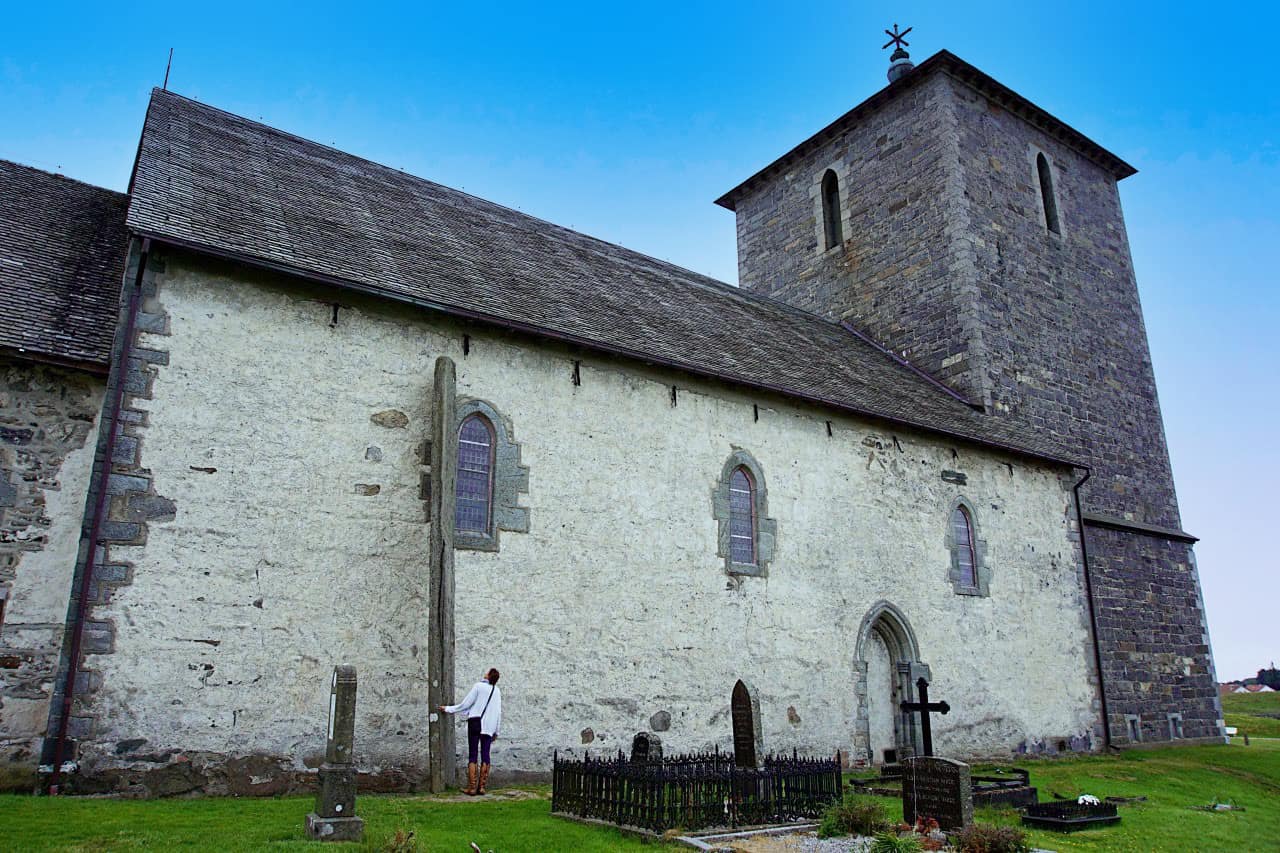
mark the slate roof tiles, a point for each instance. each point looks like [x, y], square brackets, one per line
[62, 253]
[220, 183]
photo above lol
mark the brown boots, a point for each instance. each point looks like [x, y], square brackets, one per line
[477, 778]
[472, 776]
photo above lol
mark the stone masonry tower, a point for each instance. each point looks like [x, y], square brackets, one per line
[969, 231]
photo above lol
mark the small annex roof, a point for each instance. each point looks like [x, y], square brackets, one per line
[947, 63]
[213, 182]
[62, 254]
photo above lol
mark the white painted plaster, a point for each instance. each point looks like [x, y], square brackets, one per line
[612, 607]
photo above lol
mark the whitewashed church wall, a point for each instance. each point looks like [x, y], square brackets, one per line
[290, 445]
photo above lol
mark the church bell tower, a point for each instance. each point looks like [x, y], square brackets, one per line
[966, 229]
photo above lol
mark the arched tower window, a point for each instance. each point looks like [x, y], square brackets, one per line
[475, 476]
[831, 209]
[1046, 194]
[965, 554]
[742, 518]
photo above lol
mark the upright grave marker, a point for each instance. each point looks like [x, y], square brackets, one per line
[745, 709]
[646, 747]
[939, 788]
[923, 708]
[335, 816]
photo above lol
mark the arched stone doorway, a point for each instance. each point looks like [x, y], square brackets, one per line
[886, 666]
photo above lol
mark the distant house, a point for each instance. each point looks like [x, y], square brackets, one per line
[1246, 688]
[1259, 688]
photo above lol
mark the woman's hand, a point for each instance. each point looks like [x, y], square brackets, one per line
[441, 709]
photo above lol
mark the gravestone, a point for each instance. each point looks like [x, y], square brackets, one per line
[939, 788]
[335, 816]
[747, 749]
[646, 747]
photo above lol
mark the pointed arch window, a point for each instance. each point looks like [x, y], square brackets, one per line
[474, 509]
[742, 517]
[966, 556]
[1046, 194]
[831, 209]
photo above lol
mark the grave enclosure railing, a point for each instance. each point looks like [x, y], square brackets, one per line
[695, 791]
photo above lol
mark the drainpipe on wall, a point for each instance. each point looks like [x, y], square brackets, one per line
[115, 399]
[1093, 614]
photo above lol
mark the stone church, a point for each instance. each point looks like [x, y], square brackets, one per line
[278, 408]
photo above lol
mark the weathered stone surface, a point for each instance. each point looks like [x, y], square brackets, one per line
[391, 419]
[947, 260]
[334, 828]
[938, 788]
[48, 425]
[646, 746]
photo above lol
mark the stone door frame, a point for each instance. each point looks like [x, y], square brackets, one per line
[887, 620]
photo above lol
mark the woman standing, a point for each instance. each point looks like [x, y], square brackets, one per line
[483, 707]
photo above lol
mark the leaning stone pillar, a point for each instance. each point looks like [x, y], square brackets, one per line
[440, 645]
[335, 816]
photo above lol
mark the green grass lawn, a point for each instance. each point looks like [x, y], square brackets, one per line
[1173, 780]
[438, 824]
[1249, 713]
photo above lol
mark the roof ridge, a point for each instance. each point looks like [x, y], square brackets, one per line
[7, 161]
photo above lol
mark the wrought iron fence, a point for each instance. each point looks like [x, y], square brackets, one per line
[694, 791]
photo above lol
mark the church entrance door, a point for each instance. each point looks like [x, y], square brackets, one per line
[882, 701]
[887, 660]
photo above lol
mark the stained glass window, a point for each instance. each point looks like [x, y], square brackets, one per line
[962, 534]
[742, 518]
[475, 475]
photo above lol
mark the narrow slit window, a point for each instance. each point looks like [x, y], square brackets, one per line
[962, 534]
[475, 476]
[1046, 194]
[831, 209]
[742, 518]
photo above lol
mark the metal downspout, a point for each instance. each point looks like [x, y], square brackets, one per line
[121, 368]
[1093, 614]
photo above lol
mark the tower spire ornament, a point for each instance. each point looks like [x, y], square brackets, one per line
[899, 61]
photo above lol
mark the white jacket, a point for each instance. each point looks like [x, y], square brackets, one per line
[475, 703]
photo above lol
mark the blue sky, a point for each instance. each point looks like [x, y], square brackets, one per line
[625, 121]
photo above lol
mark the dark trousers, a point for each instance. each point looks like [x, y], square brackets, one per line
[477, 741]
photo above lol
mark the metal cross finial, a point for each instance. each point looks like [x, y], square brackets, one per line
[897, 38]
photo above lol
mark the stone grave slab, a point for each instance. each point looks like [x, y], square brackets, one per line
[940, 788]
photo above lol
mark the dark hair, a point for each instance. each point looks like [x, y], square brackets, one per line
[493, 675]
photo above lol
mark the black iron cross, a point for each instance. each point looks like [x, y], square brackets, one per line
[923, 707]
[897, 38]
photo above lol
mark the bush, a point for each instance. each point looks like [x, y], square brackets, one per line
[989, 838]
[888, 842]
[856, 814]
